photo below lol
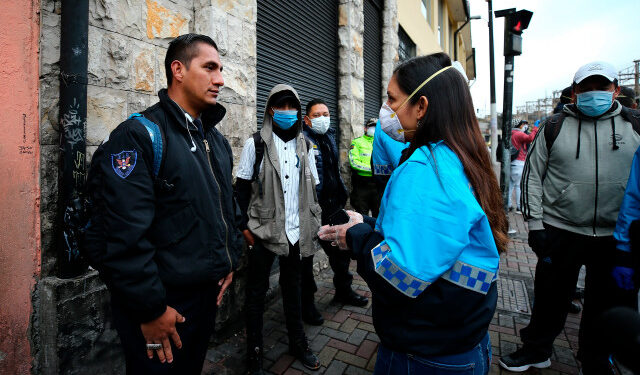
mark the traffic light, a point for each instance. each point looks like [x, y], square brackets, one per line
[514, 24]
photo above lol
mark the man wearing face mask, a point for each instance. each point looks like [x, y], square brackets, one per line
[520, 140]
[364, 192]
[332, 195]
[276, 189]
[572, 187]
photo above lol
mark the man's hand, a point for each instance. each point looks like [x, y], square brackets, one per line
[159, 331]
[224, 284]
[248, 236]
[537, 239]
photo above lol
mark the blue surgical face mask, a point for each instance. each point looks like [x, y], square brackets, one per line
[594, 103]
[285, 119]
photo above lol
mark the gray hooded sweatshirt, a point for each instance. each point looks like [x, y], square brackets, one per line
[266, 210]
[579, 183]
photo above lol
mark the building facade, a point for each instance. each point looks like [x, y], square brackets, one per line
[429, 26]
[342, 51]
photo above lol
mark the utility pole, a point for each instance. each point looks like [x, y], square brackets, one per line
[492, 82]
[636, 81]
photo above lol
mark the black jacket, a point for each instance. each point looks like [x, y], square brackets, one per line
[146, 237]
[332, 192]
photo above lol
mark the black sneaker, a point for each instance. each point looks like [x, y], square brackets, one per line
[303, 353]
[310, 314]
[254, 361]
[520, 361]
[351, 298]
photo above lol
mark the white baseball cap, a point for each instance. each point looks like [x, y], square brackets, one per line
[596, 68]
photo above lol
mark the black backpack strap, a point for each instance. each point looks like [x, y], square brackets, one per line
[633, 116]
[552, 129]
[259, 147]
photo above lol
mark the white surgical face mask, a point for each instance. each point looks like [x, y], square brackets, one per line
[371, 130]
[389, 121]
[320, 125]
[390, 124]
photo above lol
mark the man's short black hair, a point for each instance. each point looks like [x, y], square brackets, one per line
[184, 48]
[627, 96]
[313, 102]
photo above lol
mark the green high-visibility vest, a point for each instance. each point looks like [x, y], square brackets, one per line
[360, 155]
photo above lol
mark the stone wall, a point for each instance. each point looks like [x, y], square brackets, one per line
[389, 43]
[351, 77]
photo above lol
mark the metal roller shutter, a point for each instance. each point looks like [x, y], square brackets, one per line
[372, 58]
[297, 44]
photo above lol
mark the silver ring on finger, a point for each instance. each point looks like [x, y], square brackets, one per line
[154, 346]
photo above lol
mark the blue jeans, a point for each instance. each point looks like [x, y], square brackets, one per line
[476, 361]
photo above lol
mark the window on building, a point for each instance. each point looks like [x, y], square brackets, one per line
[441, 23]
[406, 46]
[426, 10]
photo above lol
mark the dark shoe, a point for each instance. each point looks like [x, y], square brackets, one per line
[520, 361]
[310, 314]
[303, 353]
[574, 307]
[254, 361]
[351, 298]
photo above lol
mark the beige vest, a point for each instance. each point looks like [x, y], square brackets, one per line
[266, 208]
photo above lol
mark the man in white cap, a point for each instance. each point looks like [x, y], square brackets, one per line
[572, 187]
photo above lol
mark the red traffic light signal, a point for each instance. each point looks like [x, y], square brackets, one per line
[517, 22]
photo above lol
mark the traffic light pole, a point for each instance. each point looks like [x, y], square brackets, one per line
[507, 106]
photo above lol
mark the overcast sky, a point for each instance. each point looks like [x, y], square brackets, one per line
[562, 36]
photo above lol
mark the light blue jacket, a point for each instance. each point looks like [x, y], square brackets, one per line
[386, 152]
[433, 226]
[630, 208]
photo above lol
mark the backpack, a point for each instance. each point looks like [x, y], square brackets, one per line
[554, 124]
[77, 215]
[513, 151]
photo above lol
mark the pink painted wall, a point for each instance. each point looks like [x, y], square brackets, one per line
[19, 180]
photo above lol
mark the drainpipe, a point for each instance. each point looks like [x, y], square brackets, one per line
[73, 118]
[455, 36]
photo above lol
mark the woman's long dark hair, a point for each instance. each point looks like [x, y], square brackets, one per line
[450, 117]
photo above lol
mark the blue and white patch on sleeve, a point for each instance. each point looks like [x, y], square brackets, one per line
[124, 162]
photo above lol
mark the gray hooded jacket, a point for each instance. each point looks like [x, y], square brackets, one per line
[579, 183]
[266, 210]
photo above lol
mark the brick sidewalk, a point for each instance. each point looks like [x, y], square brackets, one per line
[346, 343]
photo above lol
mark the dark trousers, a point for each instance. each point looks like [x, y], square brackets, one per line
[260, 262]
[557, 272]
[365, 195]
[198, 307]
[339, 261]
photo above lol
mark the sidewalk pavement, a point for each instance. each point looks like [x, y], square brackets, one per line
[346, 343]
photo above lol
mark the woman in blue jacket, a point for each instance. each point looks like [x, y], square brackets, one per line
[431, 257]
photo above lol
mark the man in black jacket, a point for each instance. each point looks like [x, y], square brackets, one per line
[332, 196]
[167, 245]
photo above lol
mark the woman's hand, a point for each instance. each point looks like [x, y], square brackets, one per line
[337, 234]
